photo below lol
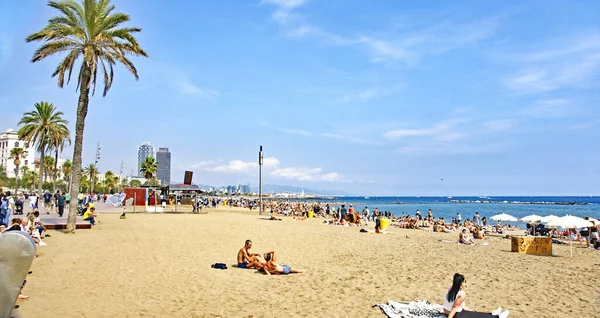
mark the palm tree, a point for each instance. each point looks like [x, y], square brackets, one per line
[92, 172]
[135, 183]
[149, 167]
[110, 180]
[58, 140]
[92, 31]
[16, 154]
[66, 170]
[49, 167]
[38, 126]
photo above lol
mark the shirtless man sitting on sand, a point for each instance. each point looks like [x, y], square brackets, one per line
[246, 259]
[272, 268]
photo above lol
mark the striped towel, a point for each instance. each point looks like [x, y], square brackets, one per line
[413, 309]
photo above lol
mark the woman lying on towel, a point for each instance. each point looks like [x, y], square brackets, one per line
[272, 268]
[454, 302]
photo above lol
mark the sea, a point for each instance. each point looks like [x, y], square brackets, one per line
[448, 207]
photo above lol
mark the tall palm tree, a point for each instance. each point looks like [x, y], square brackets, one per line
[58, 140]
[38, 126]
[66, 170]
[92, 31]
[149, 167]
[16, 154]
[92, 172]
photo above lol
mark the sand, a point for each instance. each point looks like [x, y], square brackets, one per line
[158, 265]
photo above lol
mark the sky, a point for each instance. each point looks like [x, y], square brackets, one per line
[367, 97]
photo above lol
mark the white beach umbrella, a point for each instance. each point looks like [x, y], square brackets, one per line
[546, 219]
[595, 221]
[531, 218]
[569, 222]
[504, 217]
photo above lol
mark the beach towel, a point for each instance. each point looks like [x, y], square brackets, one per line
[412, 309]
[457, 242]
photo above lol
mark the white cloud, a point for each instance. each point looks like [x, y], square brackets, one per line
[291, 131]
[199, 165]
[442, 131]
[240, 166]
[498, 125]
[414, 43]
[283, 10]
[552, 108]
[570, 64]
[349, 138]
[307, 174]
[186, 87]
[368, 94]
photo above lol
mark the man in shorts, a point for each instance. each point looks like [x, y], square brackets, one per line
[246, 259]
[47, 202]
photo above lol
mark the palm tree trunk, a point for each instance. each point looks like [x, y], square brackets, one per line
[55, 170]
[16, 179]
[42, 156]
[82, 109]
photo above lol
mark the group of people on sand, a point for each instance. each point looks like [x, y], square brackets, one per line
[265, 263]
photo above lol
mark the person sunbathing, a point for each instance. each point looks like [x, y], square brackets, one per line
[454, 302]
[272, 268]
[246, 259]
[463, 239]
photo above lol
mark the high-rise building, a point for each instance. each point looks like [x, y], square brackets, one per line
[163, 161]
[10, 140]
[144, 151]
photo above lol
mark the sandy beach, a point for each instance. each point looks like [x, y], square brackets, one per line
[158, 265]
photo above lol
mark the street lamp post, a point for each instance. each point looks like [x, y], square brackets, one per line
[260, 164]
[95, 166]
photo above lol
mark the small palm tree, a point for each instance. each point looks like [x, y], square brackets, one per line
[135, 183]
[49, 167]
[38, 126]
[59, 139]
[92, 173]
[16, 154]
[149, 167]
[109, 181]
[92, 32]
[66, 170]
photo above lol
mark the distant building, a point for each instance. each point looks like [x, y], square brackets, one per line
[10, 140]
[163, 161]
[144, 151]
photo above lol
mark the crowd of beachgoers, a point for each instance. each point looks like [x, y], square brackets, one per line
[343, 214]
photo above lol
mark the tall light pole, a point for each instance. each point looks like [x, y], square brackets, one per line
[120, 173]
[95, 166]
[260, 164]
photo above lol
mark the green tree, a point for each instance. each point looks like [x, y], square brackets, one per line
[149, 167]
[3, 176]
[49, 167]
[110, 181]
[134, 183]
[93, 32]
[16, 154]
[92, 172]
[38, 126]
[59, 139]
[66, 170]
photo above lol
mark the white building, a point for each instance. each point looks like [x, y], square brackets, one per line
[10, 140]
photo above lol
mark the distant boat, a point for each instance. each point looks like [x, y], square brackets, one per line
[366, 198]
[449, 197]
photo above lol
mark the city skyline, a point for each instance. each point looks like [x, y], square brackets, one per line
[398, 98]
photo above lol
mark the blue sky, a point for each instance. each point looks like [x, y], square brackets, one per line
[384, 97]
